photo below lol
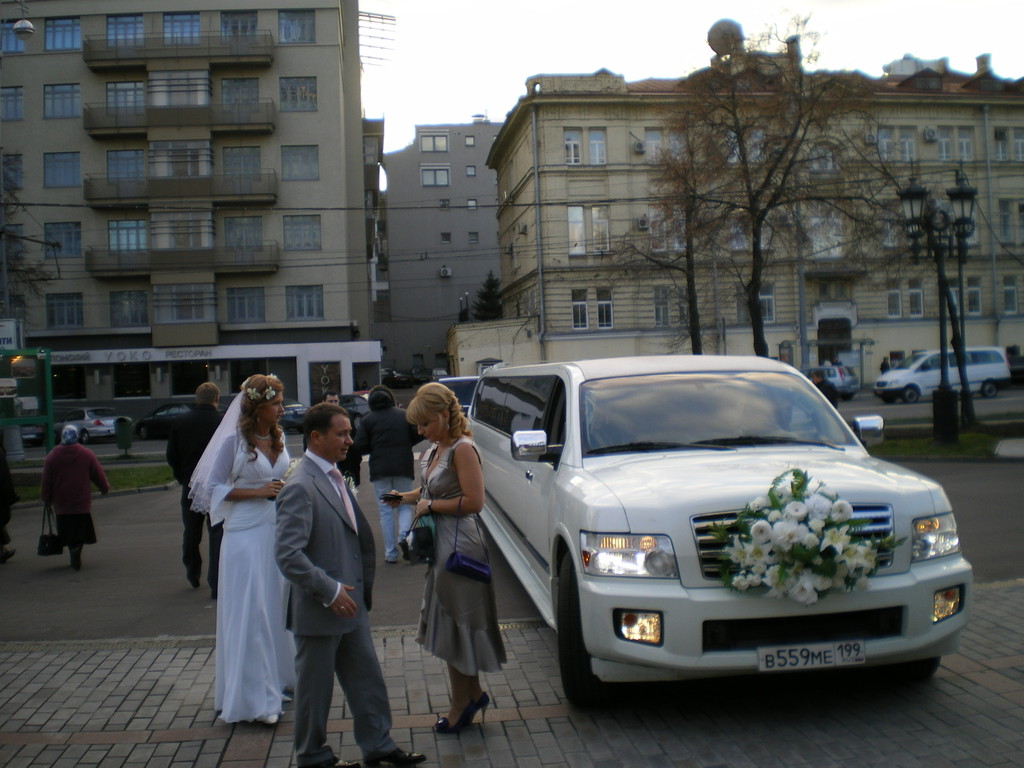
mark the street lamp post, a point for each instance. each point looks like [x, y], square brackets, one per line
[922, 216]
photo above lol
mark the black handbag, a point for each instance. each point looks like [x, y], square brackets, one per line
[464, 565]
[421, 542]
[49, 542]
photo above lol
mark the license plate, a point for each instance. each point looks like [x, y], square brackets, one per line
[785, 658]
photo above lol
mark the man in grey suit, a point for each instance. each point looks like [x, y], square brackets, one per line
[325, 549]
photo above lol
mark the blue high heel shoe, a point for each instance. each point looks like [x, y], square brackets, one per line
[481, 704]
[443, 726]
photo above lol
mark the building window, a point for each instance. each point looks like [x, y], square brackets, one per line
[974, 296]
[12, 103]
[243, 234]
[242, 161]
[131, 379]
[604, 308]
[894, 303]
[1004, 221]
[10, 42]
[126, 95]
[433, 142]
[128, 309]
[64, 310]
[573, 147]
[944, 143]
[62, 34]
[184, 303]
[471, 141]
[446, 238]
[907, 145]
[652, 145]
[245, 305]
[1018, 144]
[61, 169]
[1020, 221]
[579, 309]
[767, 299]
[915, 298]
[14, 174]
[965, 143]
[124, 30]
[302, 233]
[67, 237]
[471, 170]
[660, 306]
[1009, 295]
[304, 302]
[296, 27]
[471, 203]
[597, 147]
[185, 88]
[181, 28]
[823, 159]
[825, 232]
[127, 235]
[180, 159]
[238, 23]
[737, 236]
[434, 176]
[600, 230]
[182, 230]
[125, 164]
[474, 237]
[61, 100]
[298, 94]
[577, 233]
[444, 202]
[239, 90]
[1000, 145]
[300, 162]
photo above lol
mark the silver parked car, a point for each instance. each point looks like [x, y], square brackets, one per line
[92, 423]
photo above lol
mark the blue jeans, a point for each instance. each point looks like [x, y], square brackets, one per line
[387, 513]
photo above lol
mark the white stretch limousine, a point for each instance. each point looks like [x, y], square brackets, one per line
[631, 497]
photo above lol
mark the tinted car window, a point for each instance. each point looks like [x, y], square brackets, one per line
[513, 404]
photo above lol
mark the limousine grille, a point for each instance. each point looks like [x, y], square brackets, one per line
[877, 524]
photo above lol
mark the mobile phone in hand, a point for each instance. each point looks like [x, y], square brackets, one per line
[391, 496]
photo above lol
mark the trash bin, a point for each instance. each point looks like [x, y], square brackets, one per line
[123, 432]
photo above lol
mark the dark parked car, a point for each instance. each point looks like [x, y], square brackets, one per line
[291, 419]
[157, 423]
[356, 405]
[421, 376]
[396, 379]
[32, 434]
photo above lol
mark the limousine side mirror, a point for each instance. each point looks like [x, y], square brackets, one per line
[529, 444]
[870, 430]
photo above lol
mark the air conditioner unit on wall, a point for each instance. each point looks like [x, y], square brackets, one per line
[445, 271]
[638, 148]
[642, 223]
[870, 138]
[930, 135]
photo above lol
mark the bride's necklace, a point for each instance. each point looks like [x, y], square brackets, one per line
[263, 437]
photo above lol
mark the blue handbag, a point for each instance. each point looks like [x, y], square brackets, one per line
[464, 565]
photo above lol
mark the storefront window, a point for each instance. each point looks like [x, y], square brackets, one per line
[131, 380]
[69, 382]
[185, 377]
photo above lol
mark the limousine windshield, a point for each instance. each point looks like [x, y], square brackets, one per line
[705, 410]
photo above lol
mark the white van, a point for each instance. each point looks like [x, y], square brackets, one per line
[918, 376]
[608, 481]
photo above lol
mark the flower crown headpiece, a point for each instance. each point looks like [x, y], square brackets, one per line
[255, 395]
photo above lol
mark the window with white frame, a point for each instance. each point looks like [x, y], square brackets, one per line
[944, 142]
[470, 140]
[604, 308]
[14, 173]
[64, 310]
[62, 34]
[823, 159]
[304, 302]
[12, 103]
[1020, 220]
[243, 234]
[61, 169]
[580, 321]
[1010, 295]
[661, 317]
[181, 28]
[676, 144]
[652, 145]
[300, 162]
[891, 233]
[298, 94]
[241, 161]
[597, 146]
[124, 30]
[245, 305]
[471, 203]
[894, 302]
[1018, 144]
[573, 146]
[907, 138]
[9, 41]
[130, 94]
[302, 232]
[296, 27]
[825, 232]
[433, 142]
[577, 233]
[965, 143]
[473, 237]
[471, 170]
[180, 159]
[239, 90]
[127, 235]
[125, 164]
[435, 175]
[184, 88]
[238, 23]
[446, 238]
[184, 303]
[1000, 145]
[181, 230]
[66, 237]
[600, 228]
[12, 240]
[974, 296]
[767, 299]
[1004, 220]
[755, 145]
[61, 100]
[737, 236]
[915, 298]
[128, 309]
[885, 143]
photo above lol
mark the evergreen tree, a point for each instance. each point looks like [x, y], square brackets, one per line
[488, 299]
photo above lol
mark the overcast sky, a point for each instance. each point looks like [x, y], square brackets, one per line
[452, 59]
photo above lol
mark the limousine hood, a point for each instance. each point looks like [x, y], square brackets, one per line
[647, 485]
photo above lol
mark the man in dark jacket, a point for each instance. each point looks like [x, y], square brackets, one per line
[388, 439]
[189, 435]
[825, 386]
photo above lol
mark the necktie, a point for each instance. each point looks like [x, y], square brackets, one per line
[339, 483]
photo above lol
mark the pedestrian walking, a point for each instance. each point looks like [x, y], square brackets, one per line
[8, 498]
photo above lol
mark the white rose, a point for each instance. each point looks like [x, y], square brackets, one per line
[795, 510]
[758, 504]
[774, 516]
[816, 525]
[818, 505]
[841, 511]
[786, 533]
[803, 590]
[761, 531]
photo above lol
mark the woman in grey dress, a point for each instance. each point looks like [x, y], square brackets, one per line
[458, 620]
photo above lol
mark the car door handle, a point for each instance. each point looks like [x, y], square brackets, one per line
[529, 475]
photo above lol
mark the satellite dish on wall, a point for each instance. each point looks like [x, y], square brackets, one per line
[726, 37]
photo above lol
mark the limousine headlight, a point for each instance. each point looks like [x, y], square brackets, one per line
[934, 536]
[624, 554]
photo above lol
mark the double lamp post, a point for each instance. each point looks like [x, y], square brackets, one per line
[924, 217]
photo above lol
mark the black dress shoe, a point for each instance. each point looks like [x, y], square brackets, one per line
[334, 763]
[398, 757]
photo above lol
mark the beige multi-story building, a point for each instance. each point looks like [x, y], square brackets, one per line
[577, 165]
[184, 195]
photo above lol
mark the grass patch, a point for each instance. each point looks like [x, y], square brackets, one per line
[972, 445]
[120, 478]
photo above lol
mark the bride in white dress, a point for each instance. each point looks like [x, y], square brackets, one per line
[237, 483]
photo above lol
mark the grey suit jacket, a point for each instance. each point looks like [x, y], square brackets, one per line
[316, 548]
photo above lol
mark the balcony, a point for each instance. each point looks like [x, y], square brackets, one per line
[222, 258]
[256, 117]
[254, 188]
[257, 49]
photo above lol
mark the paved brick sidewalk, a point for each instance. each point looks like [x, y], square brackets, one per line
[149, 703]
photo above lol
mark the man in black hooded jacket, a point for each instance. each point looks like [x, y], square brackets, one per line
[388, 439]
